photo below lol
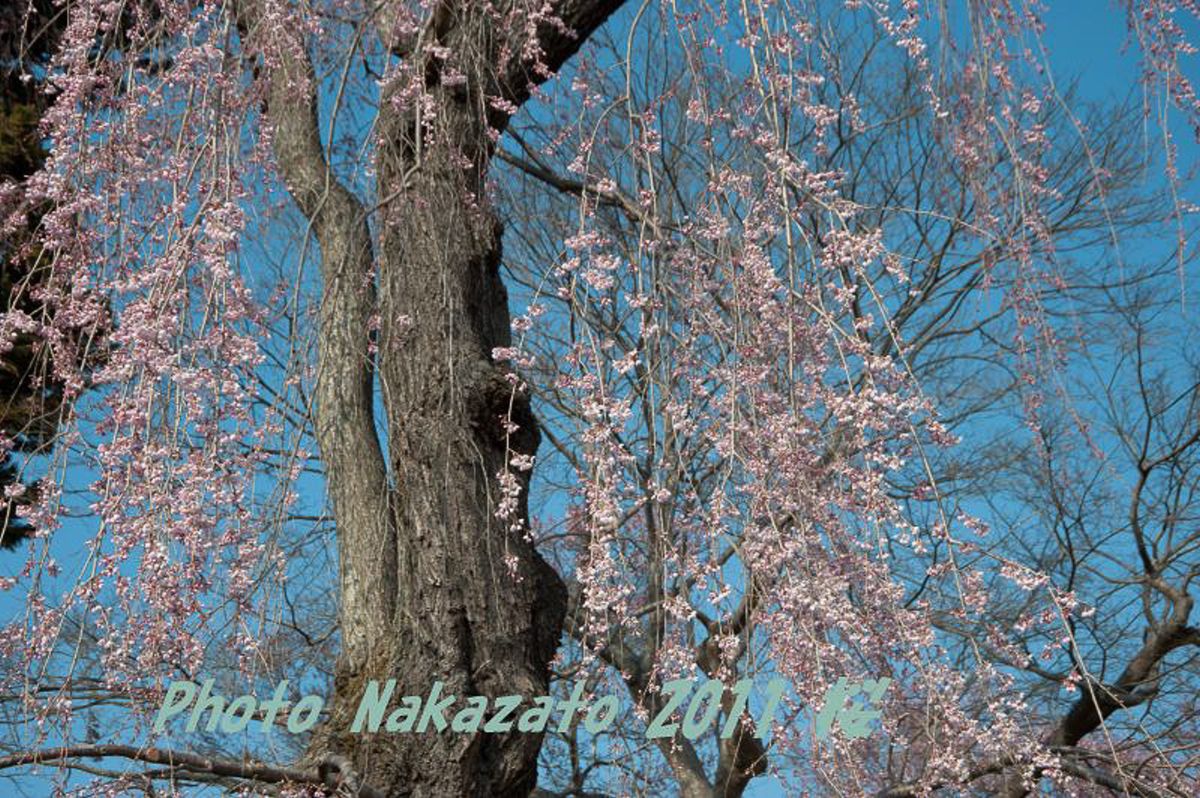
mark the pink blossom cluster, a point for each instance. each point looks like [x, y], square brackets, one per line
[147, 186]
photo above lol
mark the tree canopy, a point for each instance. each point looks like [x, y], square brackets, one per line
[799, 396]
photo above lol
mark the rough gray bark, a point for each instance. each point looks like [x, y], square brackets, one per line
[425, 592]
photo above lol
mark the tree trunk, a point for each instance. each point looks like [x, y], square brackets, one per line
[434, 587]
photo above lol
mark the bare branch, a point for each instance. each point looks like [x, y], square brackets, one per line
[333, 773]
